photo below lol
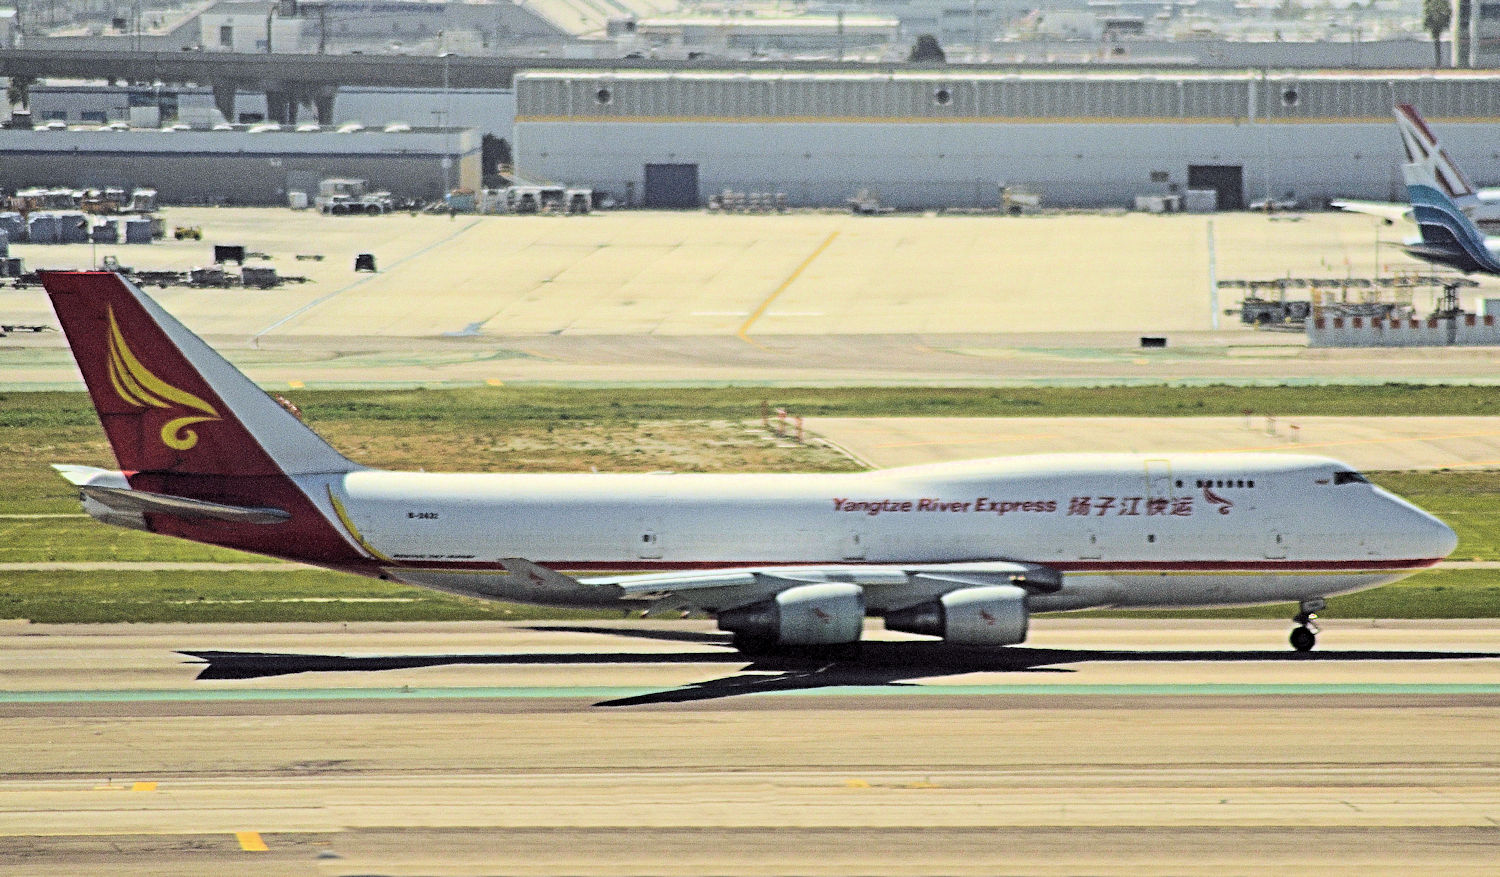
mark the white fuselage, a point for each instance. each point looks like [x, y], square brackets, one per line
[1125, 530]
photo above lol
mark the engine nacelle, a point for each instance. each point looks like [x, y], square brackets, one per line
[824, 614]
[993, 615]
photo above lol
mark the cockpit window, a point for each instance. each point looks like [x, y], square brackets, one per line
[1347, 477]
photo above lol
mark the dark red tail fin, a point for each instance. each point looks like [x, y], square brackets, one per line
[185, 424]
[168, 402]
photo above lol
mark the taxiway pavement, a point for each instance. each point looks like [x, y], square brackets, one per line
[1110, 747]
[690, 273]
[662, 297]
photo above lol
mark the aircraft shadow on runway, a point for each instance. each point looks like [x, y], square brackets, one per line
[254, 665]
[893, 663]
[879, 663]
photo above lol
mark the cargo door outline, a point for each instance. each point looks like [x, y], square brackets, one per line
[1092, 547]
[854, 544]
[1275, 543]
[1159, 479]
[647, 537]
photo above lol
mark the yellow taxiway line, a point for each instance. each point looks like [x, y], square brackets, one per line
[744, 331]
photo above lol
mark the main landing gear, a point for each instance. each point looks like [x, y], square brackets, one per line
[753, 646]
[762, 647]
[1305, 634]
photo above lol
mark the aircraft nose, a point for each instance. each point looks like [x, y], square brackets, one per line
[1441, 537]
[1429, 535]
[1425, 535]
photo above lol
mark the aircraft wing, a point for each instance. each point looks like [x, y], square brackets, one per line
[1389, 211]
[721, 588]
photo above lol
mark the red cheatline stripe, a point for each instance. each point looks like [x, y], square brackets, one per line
[1065, 566]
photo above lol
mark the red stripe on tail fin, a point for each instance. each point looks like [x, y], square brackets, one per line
[1411, 115]
[1422, 149]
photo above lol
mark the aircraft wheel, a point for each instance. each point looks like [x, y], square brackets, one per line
[1303, 639]
[846, 652]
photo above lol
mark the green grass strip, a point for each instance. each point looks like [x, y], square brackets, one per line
[1439, 593]
[73, 597]
[65, 596]
[483, 407]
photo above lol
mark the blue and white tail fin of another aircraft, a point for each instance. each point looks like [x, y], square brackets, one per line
[1429, 162]
[1449, 236]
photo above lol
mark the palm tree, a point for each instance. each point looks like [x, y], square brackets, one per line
[19, 90]
[1436, 16]
[926, 48]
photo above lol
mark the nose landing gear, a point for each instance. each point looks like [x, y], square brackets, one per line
[1305, 634]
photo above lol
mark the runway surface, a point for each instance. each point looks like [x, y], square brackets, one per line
[1106, 747]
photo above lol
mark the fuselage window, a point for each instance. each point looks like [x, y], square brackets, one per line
[1249, 483]
[1347, 477]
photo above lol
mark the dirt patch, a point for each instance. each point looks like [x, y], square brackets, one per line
[617, 446]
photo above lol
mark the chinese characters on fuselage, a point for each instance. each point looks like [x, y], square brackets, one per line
[1095, 506]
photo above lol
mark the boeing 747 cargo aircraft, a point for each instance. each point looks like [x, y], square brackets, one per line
[964, 551]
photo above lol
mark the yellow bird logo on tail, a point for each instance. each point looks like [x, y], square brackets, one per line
[138, 386]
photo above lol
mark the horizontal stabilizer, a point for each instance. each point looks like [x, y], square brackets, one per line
[140, 502]
[1391, 213]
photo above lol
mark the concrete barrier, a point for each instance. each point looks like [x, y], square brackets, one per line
[1463, 330]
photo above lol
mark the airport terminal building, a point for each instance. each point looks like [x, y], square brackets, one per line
[930, 140]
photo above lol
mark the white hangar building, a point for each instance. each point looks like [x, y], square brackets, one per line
[930, 139]
[241, 165]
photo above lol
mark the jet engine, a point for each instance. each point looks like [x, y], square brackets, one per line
[822, 614]
[993, 615]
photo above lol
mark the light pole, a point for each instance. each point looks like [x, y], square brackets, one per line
[447, 130]
[974, 30]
